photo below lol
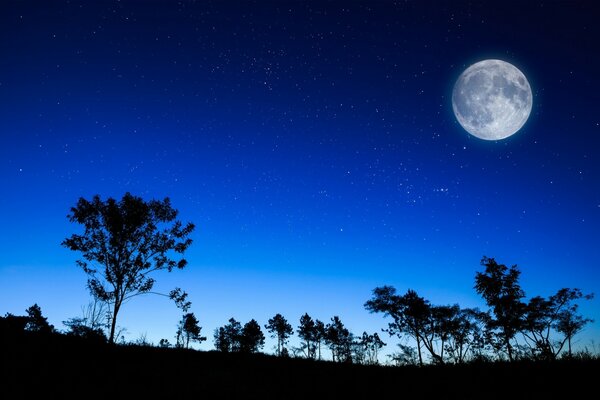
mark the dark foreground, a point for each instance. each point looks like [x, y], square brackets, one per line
[62, 367]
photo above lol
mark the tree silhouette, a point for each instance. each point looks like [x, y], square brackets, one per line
[464, 333]
[307, 332]
[124, 242]
[280, 329]
[36, 321]
[557, 314]
[252, 337]
[369, 346]
[499, 287]
[411, 316]
[228, 338]
[319, 336]
[188, 331]
[570, 323]
[339, 339]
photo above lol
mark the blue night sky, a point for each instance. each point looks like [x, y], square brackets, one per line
[313, 145]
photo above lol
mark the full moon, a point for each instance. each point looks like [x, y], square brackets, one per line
[492, 99]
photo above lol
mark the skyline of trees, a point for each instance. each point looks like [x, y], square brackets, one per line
[125, 241]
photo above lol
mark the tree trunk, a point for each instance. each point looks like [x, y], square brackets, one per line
[509, 349]
[419, 350]
[320, 350]
[113, 323]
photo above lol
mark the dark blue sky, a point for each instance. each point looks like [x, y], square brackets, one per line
[313, 145]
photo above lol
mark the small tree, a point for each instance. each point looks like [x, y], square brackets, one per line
[307, 332]
[188, 331]
[557, 314]
[411, 314]
[280, 329]
[339, 339]
[228, 338]
[123, 243]
[36, 321]
[319, 336]
[465, 334]
[499, 286]
[252, 337]
[369, 346]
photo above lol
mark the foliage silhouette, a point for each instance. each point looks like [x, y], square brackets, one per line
[557, 314]
[307, 332]
[228, 338]
[368, 348]
[123, 243]
[252, 337]
[499, 287]
[36, 321]
[78, 327]
[188, 331]
[280, 329]
[411, 316]
[319, 337]
[339, 339]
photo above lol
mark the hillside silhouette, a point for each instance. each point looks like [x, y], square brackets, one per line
[519, 347]
[54, 365]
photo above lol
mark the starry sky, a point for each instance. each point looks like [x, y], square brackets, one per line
[313, 145]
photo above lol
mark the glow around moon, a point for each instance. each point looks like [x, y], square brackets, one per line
[492, 99]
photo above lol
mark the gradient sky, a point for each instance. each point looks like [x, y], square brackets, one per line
[313, 145]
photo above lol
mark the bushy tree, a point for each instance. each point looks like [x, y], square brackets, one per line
[188, 330]
[280, 329]
[339, 339]
[123, 243]
[228, 338]
[411, 315]
[36, 322]
[465, 334]
[499, 286]
[550, 323]
[252, 337]
[79, 327]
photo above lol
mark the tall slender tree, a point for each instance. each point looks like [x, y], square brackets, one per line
[307, 332]
[280, 329]
[319, 337]
[123, 243]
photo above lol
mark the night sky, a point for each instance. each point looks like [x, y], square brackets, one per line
[313, 145]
